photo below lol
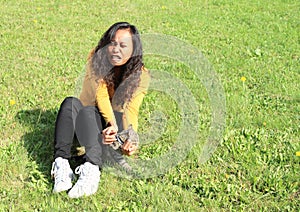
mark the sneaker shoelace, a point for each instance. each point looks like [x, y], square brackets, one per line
[86, 174]
[83, 175]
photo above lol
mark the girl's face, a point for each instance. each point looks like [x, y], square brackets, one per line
[121, 47]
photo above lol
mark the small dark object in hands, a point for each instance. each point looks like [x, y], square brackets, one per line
[126, 135]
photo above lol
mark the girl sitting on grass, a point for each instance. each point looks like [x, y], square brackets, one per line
[113, 89]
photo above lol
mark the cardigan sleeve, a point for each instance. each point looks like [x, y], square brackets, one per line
[104, 104]
[132, 108]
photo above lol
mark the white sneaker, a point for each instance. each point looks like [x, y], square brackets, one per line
[88, 181]
[62, 174]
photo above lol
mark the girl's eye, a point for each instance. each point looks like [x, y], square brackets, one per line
[123, 45]
[113, 43]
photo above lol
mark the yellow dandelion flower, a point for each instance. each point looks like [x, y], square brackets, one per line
[163, 7]
[243, 78]
[298, 153]
[35, 21]
[264, 123]
[12, 102]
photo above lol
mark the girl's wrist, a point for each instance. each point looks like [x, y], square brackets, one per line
[113, 124]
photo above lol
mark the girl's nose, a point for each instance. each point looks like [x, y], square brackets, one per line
[115, 48]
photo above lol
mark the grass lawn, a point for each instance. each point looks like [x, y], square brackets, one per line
[254, 49]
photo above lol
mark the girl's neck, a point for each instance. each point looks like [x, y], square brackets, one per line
[118, 74]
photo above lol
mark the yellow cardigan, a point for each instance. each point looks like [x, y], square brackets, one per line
[97, 94]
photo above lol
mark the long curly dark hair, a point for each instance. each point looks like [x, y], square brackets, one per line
[128, 81]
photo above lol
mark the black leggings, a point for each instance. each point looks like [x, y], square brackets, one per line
[86, 123]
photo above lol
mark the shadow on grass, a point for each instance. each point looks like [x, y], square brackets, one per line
[39, 139]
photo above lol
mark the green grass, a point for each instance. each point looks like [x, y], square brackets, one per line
[43, 51]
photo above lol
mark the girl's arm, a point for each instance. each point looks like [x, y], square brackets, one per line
[104, 105]
[132, 108]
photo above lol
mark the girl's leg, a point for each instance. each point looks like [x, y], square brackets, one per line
[89, 125]
[64, 133]
[64, 127]
[88, 128]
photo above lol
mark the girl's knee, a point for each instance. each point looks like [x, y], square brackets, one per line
[71, 102]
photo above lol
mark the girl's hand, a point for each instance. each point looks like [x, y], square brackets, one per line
[128, 148]
[109, 135]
